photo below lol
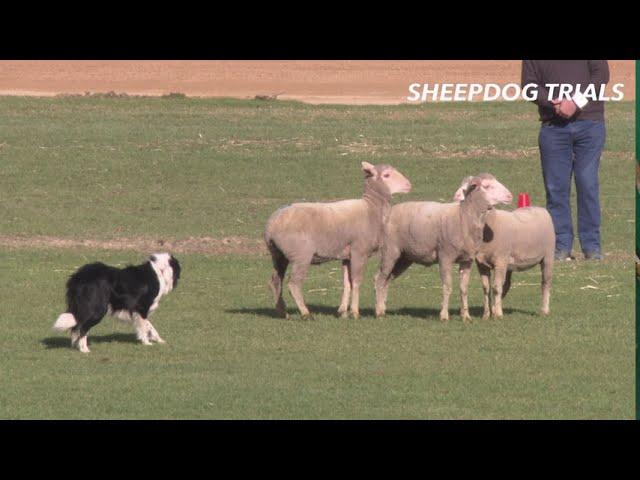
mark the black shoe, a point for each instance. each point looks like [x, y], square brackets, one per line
[563, 255]
[595, 255]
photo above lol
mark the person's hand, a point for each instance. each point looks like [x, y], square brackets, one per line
[564, 108]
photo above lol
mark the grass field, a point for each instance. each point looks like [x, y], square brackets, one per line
[173, 169]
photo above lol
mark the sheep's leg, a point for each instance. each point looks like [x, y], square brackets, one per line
[357, 272]
[547, 269]
[465, 273]
[392, 266]
[485, 277]
[298, 273]
[500, 272]
[280, 264]
[346, 289]
[445, 278]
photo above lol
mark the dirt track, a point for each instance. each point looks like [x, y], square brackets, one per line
[346, 82]
[210, 245]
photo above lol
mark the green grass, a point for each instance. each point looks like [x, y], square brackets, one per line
[192, 167]
[106, 168]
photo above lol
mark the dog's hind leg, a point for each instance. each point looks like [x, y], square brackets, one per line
[79, 338]
[87, 315]
[75, 336]
[79, 333]
[154, 336]
[82, 332]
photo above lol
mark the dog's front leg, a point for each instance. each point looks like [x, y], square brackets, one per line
[79, 340]
[154, 336]
[142, 328]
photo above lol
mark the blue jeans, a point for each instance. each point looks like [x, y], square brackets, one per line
[573, 149]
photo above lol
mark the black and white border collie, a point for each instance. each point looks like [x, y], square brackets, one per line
[130, 294]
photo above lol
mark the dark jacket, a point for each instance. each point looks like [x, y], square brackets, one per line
[583, 72]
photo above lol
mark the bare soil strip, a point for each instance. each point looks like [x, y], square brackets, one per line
[209, 245]
[234, 245]
[354, 82]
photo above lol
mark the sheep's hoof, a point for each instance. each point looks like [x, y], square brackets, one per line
[544, 312]
[343, 314]
[380, 314]
[308, 317]
[444, 318]
[355, 315]
[467, 319]
[486, 316]
[497, 317]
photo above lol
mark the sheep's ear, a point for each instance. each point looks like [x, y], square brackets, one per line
[460, 193]
[369, 170]
[473, 184]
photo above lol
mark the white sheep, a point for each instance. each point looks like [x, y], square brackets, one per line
[350, 230]
[430, 232]
[513, 241]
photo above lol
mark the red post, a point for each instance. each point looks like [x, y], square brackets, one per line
[523, 200]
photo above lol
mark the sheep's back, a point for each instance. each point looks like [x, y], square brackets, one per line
[524, 235]
[318, 216]
[322, 227]
[526, 223]
[416, 227]
[418, 215]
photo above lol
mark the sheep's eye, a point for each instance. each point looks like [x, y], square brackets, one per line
[386, 175]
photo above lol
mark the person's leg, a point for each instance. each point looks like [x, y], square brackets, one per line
[556, 155]
[589, 137]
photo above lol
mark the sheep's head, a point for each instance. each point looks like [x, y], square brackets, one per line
[388, 176]
[493, 190]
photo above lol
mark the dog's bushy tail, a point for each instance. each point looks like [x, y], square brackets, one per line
[65, 322]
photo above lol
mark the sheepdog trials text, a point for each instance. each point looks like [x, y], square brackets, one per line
[469, 92]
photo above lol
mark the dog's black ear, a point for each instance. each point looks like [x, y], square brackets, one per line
[175, 266]
[153, 258]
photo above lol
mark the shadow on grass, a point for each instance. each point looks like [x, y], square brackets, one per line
[294, 313]
[416, 312]
[65, 342]
[475, 312]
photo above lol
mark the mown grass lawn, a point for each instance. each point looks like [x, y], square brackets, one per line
[175, 168]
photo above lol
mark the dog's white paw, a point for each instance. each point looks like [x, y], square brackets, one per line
[82, 345]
